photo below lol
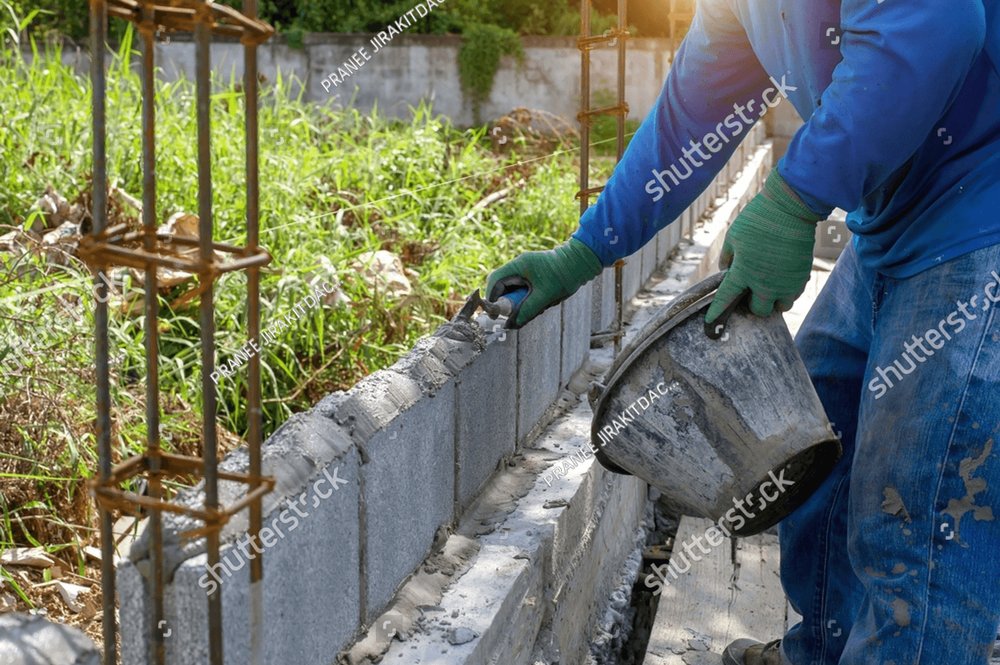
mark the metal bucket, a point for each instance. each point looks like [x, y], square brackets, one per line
[730, 428]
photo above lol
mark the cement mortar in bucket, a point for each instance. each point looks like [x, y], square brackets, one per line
[730, 429]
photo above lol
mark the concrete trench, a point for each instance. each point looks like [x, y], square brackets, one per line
[447, 509]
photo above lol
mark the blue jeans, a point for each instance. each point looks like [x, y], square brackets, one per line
[895, 560]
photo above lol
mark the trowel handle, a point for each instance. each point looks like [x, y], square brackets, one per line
[509, 301]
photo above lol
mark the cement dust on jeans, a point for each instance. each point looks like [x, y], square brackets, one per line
[957, 508]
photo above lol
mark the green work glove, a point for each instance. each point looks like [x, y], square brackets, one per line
[550, 276]
[768, 250]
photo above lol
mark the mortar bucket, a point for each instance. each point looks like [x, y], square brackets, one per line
[730, 429]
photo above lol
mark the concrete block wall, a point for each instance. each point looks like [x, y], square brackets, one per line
[413, 68]
[380, 472]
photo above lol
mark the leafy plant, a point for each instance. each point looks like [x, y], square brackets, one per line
[483, 46]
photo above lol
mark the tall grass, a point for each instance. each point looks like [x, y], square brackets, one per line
[335, 183]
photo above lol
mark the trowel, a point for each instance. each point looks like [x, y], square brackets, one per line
[506, 305]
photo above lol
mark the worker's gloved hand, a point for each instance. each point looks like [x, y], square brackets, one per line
[550, 276]
[768, 250]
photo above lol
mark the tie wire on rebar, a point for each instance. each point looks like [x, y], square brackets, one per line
[147, 251]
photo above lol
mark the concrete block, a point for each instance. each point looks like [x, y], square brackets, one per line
[632, 276]
[663, 239]
[603, 531]
[486, 415]
[603, 305]
[649, 261]
[677, 228]
[372, 403]
[34, 640]
[309, 543]
[780, 146]
[408, 482]
[134, 609]
[576, 330]
[434, 360]
[404, 423]
[311, 587]
[539, 356]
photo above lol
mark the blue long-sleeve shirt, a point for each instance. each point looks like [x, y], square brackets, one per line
[901, 102]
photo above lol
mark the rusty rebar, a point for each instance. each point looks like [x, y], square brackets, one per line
[620, 145]
[151, 309]
[117, 245]
[206, 310]
[254, 413]
[99, 212]
[586, 42]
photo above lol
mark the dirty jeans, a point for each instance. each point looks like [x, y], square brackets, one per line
[895, 560]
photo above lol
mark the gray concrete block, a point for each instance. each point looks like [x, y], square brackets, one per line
[408, 492]
[632, 276]
[603, 308]
[576, 331]
[649, 261]
[372, 403]
[311, 587]
[670, 236]
[663, 244]
[539, 356]
[34, 640]
[435, 360]
[133, 613]
[486, 415]
[310, 549]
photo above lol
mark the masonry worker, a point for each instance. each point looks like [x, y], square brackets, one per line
[895, 559]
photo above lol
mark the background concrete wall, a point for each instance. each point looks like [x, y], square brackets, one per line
[412, 68]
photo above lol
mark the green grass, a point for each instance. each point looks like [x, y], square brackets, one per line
[334, 183]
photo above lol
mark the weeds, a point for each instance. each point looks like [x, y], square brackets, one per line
[335, 183]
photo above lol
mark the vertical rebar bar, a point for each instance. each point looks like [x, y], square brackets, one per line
[619, 304]
[151, 308]
[584, 108]
[206, 310]
[98, 25]
[254, 414]
[622, 25]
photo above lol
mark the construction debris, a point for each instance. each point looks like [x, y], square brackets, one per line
[383, 272]
[31, 557]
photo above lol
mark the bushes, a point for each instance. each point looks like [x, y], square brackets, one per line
[523, 17]
[479, 57]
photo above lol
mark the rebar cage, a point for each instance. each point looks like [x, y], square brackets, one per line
[147, 251]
